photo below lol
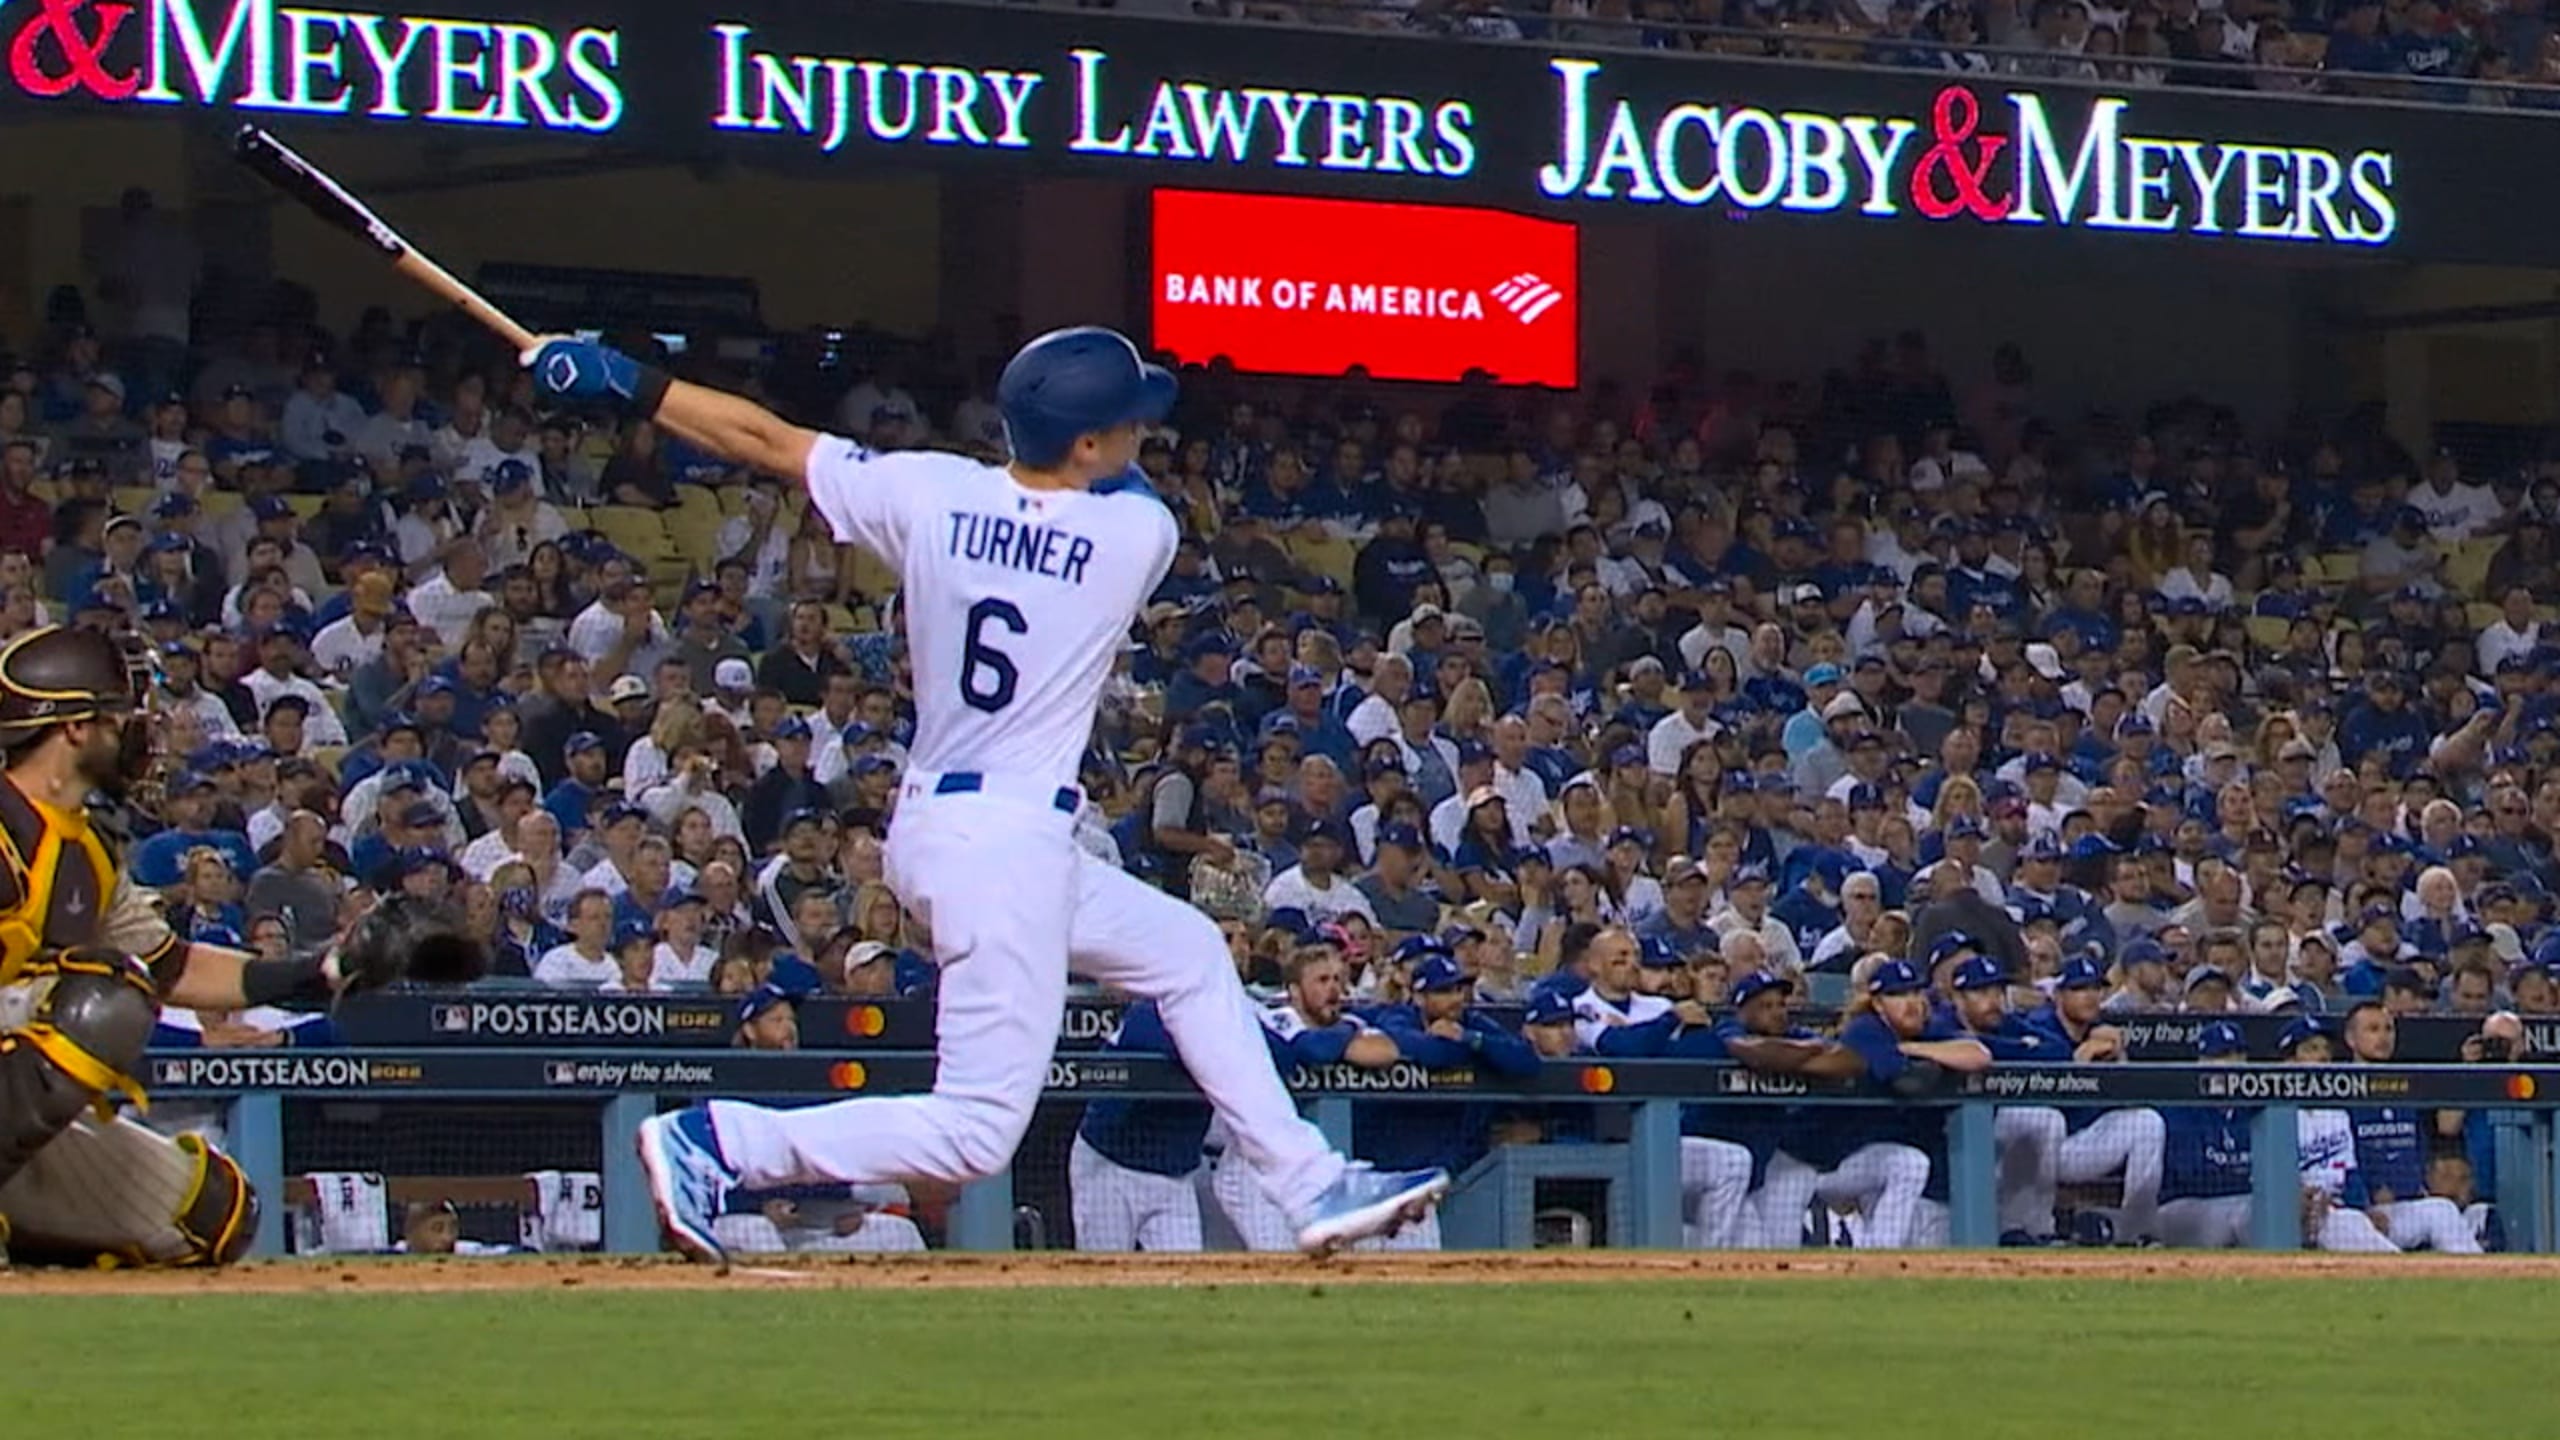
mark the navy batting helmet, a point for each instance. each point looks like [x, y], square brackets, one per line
[1076, 382]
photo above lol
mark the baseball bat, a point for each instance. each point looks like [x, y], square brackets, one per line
[279, 165]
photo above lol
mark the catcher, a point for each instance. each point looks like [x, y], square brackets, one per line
[86, 962]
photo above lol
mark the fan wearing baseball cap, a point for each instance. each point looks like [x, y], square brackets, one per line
[1315, 885]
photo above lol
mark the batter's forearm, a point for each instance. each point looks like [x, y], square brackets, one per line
[736, 429]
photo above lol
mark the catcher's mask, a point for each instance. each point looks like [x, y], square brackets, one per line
[59, 675]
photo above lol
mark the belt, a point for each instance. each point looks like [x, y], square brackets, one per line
[1064, 799]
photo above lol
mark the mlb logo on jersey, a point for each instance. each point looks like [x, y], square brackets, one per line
[450, 1020]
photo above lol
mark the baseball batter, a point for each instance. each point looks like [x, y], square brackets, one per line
[1020, 582]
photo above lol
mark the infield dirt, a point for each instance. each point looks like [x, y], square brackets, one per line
[412, 1275]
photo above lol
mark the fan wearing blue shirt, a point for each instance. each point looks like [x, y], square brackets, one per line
[571, 801]
[2384, 725]
[188, 804]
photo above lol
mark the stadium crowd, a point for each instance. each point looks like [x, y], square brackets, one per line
[2501, 53]
[1777, 675]
[1611, 707]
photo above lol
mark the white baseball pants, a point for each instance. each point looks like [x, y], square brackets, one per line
[1883, 1182]
[1120, 1209]
[2028, 1142]
[2130, 1142]
[878, 1235]
[1715, 1194]
[1779, 1206]
[2219, 1222]
[2351, 1232]
[2430, 1223]
[1009, 897]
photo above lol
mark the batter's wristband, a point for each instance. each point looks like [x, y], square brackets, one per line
[651, 391]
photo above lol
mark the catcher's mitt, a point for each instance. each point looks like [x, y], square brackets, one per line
[1919, 1080]
[405, 938]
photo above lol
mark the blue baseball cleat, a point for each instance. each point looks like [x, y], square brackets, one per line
[689, 1182]
[1366, 1202]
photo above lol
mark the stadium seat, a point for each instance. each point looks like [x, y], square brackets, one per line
[218, 503]
[132, 499]
[696, 535]
[305, 506]
[639, 533]
[2267, 632]
[2482, 614]
[870, 576]
[2341, 567]
[670, 573]
[697, 497]
[1322, 554]
[2466, 570]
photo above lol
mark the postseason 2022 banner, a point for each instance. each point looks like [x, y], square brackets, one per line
[847, 84]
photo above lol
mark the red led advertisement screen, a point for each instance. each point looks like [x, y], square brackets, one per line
[1283, 285]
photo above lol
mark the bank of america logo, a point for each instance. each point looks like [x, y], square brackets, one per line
[1527, 297]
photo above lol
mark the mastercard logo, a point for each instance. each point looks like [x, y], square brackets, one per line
[1599, 1080]
[865, 1021]
[848, 1075]
[2520, 1087]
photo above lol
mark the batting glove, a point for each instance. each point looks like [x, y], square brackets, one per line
[567, 368]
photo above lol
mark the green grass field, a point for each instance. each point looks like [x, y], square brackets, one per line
[1843, 1359]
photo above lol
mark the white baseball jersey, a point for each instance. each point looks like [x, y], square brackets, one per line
[1016, 599]
[1594, 1015]
[2328, 1150]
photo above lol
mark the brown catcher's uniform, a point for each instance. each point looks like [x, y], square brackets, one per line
[84, 956]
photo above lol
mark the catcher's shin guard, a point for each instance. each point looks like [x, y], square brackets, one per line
[78, 1183]
[219, 1216]
[119, 1193]
[79, 1047]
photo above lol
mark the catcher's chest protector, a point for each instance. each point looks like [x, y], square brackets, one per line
[56, 876]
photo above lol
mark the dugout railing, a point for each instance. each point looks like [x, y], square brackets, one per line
[591, 1100]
